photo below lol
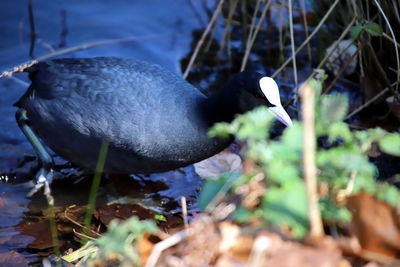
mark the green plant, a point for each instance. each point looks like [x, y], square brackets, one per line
[344, 156]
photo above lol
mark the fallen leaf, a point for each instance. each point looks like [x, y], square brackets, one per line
[145, 245]
[122, 211]
[340, 54]
[375, 224]
[39, 229]
[218, 164]
[230, 233]
[253, 191]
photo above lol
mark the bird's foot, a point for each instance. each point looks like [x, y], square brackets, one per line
[43, 179]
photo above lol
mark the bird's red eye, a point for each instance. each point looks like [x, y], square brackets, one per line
[259, 96]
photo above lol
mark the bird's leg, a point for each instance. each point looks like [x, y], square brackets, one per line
[44, 176]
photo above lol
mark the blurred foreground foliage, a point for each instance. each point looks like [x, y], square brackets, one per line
[276, 179]
[341, 159]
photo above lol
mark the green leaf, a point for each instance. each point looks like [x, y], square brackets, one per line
[292, 136]
[365, 183]
[373, 29]
[221, 130]
[333, 108]
[160, 217]
[281, 172]
[390, 144]
[356, 31]
[212, 187]
[255, 124]
[343, 158]
[287, 205]
[389, 194]
[114, 242]
[242, 214]
[339, 130]
[332, 212]
[317, 86]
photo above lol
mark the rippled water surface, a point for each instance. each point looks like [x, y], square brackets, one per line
[158, 31]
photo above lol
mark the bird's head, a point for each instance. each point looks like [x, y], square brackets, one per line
[256, 90]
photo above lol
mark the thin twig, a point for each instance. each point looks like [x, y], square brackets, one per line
[310, 170]
[64, 28]
[390, 39]
[226, 38]
[303, 11]
[32, 26]
[261, 245]
[196, 13]
[341, 37]
[382, 72]
[292, 43]
[184, 213]
[249, 36]
[307, 40]
[77, 223]
[19, 81]
[82, 235]
[203, 37]
[394, 38]
[163, 245]
[344, 67]
[327, 55]
[350, 184]
[252, 36]
[369, 102]
[21, 67]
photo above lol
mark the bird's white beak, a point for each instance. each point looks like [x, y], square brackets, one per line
[271, 92]
[281, 115]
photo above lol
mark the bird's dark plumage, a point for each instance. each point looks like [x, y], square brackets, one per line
[153, 119]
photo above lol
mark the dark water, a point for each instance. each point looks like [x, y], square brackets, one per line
[161, 32]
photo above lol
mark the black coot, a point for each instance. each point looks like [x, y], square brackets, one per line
[153, 120]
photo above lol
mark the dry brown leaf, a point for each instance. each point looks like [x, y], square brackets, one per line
[253, 192]
[199, 248]
[289, 254]
[218, 164]
[375, 224]
[145, 245]
[224, 245]
[121, 211]
[240, 251]
[340, 55]
[230, 232]
[226, 261]
[323, 242]
[39, 229]
[249, 166]
[285, 253]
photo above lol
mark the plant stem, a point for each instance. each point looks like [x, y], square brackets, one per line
[95, 187]
[317, 28]
[310, 170]
[203, 37]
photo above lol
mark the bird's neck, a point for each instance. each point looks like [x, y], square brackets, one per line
[221, 106]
